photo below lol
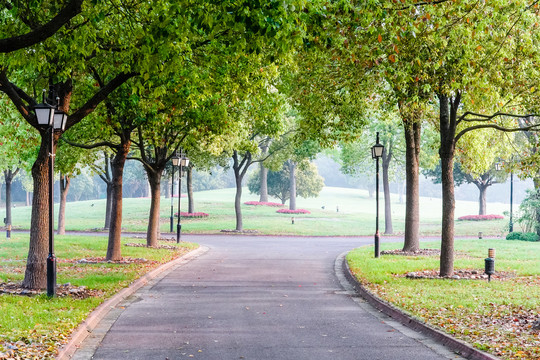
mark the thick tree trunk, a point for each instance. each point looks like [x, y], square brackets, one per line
[189, 184]
[388, 228]
[292, 185]
[28, 199]
[152, 233]
[412, 202]
[264, 183]
[64, 188]
[448, 124]
[35, 276]
[115, 230]
[482, 199]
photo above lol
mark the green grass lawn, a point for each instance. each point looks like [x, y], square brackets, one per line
[37, 325]
[356, 215]
[495, 316]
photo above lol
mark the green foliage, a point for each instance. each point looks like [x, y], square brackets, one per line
[529, 208]
[308, 182]
[523, 236]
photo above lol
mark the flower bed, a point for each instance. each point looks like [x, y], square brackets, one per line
[265, 203]
[298, 211]
[481, 217]
[192, 215]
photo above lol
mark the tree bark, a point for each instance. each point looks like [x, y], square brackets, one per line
[189, 185]
[412, 128]
[64, 188]
[264, 183]
[8, 178]
[292, 186]
[387, 157]
[240, 167]
[448, 124]
[152, 233]
[115, 230]
[482, 199]
[108, 206]
[35, 276]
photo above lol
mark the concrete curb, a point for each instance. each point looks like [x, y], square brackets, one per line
[88, 325]
[458, 346]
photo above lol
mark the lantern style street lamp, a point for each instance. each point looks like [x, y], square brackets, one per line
[184, 161]
[376, 153]
[52, 119]
[175, 159]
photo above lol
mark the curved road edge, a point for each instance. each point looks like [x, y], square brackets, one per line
[459, 347]
[87, 326]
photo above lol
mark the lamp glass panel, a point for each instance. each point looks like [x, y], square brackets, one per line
[44, 114]
[60, 118]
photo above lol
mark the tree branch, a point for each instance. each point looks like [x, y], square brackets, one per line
[95, 100]
[40, 33]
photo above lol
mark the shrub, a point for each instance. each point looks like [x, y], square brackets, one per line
[298, 211]
[192, 215]
[481, 217]
[257, 203]
[523, 236]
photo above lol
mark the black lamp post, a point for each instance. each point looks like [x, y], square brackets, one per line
[184, 161]
[376, 153]
[52, 119]
[174, 160]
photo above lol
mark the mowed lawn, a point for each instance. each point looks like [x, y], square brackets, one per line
[336, 212]
[35, 326]
[496, 316]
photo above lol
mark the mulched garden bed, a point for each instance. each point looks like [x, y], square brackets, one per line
[421, 252]
[76, 292]
[467, 274]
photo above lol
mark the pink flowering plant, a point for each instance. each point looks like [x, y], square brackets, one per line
[297, 211]
[480, 217]
[263, 203]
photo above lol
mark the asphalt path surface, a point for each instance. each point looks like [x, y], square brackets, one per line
[256, 297]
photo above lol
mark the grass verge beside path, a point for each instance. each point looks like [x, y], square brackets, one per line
[495, 316]
[36, 326]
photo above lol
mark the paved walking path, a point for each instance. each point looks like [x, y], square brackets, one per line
[255, 297]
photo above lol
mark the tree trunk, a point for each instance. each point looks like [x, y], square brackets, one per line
[8, 177]
[482, 199]
[115, 230]
[412, 203]
[64, 188]
[189, 185]
[35, 276]
[108, 206]
[28, 199]
[154, 179]
[264, 183]
[292, 187]
[388, 228]
[240, 167]
[448, 124]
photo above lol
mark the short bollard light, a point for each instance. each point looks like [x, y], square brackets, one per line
[292, 220]
[480, 235]
[490, 264]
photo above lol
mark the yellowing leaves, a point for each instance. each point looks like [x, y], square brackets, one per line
[379, 38]
[392, 58]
